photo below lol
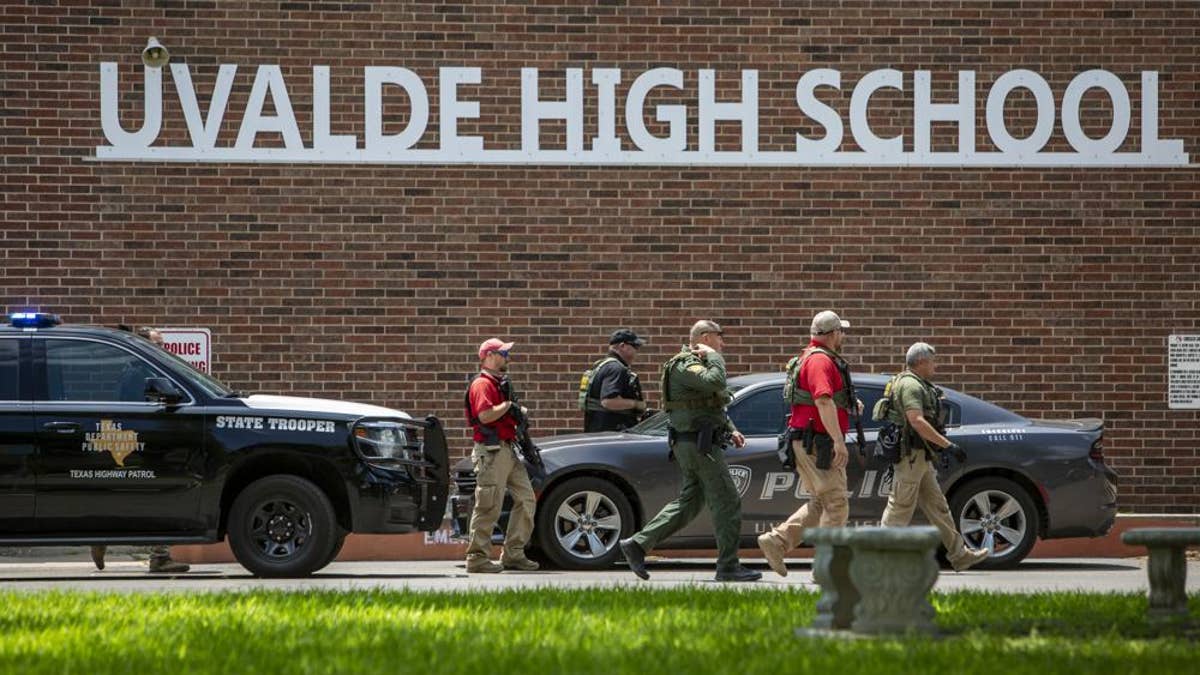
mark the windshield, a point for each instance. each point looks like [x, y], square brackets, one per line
[209, 384]
[656, 424]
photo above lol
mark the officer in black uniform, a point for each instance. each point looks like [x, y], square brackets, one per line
[614, 395]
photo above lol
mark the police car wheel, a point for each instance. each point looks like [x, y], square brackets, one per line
[580, 521]
[283, 526]
[997, 514]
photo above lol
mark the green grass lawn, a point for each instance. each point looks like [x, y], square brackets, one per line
[545, 632]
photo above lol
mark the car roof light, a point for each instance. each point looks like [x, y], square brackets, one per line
[33, 320]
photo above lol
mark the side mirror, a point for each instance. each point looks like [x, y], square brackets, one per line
[161, 390]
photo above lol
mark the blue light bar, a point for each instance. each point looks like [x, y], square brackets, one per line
[33, 320]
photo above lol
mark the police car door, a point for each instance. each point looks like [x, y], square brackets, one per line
[108, 460]
[17, 436]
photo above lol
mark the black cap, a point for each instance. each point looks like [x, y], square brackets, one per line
[624, 335]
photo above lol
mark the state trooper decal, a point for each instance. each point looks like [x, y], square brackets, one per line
[741, 478]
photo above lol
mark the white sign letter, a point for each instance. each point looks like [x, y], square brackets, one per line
[203, 132]
[925, 112]
[534, 110]
[860, 128]
[110, 115]
[269, 79]
[1167, 151]
[452, 110]
[674, 115]
[374, 79]
[746, 112]
[606, 81]
[1042, 129]
[818, 111]
[322, 140]
[1112, 85]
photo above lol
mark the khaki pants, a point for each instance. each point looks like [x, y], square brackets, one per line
[915, 484]
[496, 469]
[828, 507]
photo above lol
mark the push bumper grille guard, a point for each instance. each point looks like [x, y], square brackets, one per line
[428, 463]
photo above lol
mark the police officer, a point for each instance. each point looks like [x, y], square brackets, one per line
[822, 397]
[496, 467]
[132, 384]
[916, 409]
[614, 399]
[695, 395]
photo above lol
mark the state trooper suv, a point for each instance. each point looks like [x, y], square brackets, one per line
[107, 439]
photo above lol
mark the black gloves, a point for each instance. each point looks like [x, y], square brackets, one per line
[956, 451]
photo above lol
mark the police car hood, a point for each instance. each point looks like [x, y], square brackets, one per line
[318, 405]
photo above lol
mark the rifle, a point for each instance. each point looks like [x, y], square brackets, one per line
[529, 450]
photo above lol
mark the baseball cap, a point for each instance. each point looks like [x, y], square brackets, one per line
[625, 336]
[493, 345]
[827, 322]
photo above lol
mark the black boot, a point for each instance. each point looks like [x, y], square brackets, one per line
[635, 556]
[739, 573]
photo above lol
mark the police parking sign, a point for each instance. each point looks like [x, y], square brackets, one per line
[193, 345]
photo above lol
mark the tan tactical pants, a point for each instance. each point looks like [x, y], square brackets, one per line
[828, 505]
[496, 469]
[915, 484]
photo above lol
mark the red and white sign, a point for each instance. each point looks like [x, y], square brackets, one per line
[193, 345]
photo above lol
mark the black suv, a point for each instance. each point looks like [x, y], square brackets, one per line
[107, 439]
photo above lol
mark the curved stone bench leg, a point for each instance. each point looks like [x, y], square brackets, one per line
[831, 569]
[1168, 576]
[893, 576]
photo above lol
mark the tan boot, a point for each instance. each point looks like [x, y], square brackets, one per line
[773, 551]
[164, 565]
[520, 564]
[969, 558]
[484, 566]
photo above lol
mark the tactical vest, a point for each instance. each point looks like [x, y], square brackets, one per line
[586, 402]
[795, 395]
[930, 409]
[690, 403]
[489, 433]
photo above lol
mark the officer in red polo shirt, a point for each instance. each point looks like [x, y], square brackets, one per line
[821, 395]
[497, 467]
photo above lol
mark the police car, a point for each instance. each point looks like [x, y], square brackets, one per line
[106, 438]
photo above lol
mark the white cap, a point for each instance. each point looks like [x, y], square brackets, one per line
[827, 322]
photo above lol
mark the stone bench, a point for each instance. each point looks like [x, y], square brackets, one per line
[1167, 567]
[875, 579]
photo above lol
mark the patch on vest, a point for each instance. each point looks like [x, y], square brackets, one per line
[696, 368]
[741, 478]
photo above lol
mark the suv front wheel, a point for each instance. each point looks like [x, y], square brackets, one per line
[282, 526]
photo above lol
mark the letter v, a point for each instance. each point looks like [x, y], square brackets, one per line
[204, 134]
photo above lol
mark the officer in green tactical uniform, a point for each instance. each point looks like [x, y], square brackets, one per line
[913, 403]
[695, 394]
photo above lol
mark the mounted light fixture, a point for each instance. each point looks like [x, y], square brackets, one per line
[155, 55]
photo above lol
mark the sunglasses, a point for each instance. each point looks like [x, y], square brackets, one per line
[501, 352]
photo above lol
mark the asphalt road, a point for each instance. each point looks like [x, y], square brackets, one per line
[1079, 574]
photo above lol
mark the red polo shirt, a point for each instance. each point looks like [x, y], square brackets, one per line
[483, 394]
[819, 377]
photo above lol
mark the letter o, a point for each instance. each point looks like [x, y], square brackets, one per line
[998, 95]
[1112, 85]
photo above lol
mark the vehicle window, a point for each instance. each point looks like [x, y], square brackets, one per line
[869, 396]
[762, 413]
[951, 414]
[79, 370]
[10, 361]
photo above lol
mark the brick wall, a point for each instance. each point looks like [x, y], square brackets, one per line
[1049, 291]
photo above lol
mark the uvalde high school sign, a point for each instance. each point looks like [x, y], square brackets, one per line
[606, 148]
